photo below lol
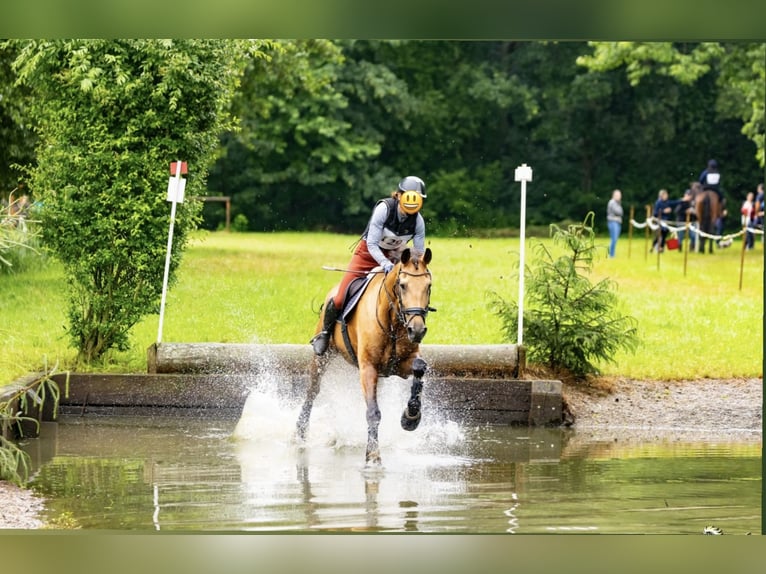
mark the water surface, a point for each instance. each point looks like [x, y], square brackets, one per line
[213, 473]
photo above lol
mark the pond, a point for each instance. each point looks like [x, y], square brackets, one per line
[212, 473]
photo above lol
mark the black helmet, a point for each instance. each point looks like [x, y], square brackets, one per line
[412, 183]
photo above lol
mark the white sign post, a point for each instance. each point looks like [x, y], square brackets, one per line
[176, 187]
[523, 174]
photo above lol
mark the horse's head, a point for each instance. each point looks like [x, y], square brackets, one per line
[413, 291]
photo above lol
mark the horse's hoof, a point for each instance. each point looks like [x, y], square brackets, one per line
[299, 439]
[410, 423]
[373, 460]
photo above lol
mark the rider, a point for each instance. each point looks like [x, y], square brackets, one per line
[710, 178]
[395, 220]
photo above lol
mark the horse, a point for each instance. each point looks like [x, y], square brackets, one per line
[708, 211]
[381, 337]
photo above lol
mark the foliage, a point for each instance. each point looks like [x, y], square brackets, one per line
[571, 324]
[297, 146]
[14, 462]
[239, 224]
[17, 139]
[329, 127]
[740, 71]
[110, 115]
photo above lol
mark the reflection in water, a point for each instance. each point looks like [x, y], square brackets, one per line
[180, 474]
[333, 456]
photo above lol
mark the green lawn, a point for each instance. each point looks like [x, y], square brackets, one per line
[266, 288]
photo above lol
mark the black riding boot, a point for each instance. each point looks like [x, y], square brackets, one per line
[321, 340]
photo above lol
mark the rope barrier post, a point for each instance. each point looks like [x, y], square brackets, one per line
[687, 240]
[658, 237]
[742, 256]
[630, 229]
[646, 232]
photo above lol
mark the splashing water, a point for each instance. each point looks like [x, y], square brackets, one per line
[338, 420]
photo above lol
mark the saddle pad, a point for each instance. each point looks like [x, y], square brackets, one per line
[354, 292]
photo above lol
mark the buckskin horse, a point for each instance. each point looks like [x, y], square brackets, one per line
[381, 336]
[708, 211]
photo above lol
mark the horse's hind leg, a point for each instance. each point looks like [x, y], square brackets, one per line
[411, 415]
[316, 369]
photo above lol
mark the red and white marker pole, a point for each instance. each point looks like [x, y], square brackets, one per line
[176, 187]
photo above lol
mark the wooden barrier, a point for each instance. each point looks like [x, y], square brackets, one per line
[472, 383]
[486, 361]
[469, 400]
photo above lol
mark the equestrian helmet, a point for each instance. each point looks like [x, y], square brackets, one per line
[411, 202]
[412, 183]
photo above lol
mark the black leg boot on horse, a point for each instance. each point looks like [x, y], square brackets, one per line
[321, 340]
[411, 415]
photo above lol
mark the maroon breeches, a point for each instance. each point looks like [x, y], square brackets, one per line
[360, 264]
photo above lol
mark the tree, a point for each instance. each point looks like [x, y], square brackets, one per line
[297, 155]
[739, 69]
[570, 323]
[17, 140]
[110, 115]
[330, 126]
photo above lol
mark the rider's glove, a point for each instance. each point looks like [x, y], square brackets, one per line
[387, 266]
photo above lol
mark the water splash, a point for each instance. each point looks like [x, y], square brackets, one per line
[338, 417]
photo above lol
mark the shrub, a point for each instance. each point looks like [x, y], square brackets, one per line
[14, 462]
[570, 323]
[111, 115]
[240, 223]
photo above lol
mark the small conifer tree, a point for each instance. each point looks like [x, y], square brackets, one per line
[570, 324]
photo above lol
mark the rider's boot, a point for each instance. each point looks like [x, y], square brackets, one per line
[321, 340]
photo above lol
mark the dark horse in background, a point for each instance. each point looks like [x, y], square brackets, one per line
[382, 338]
[709, 210]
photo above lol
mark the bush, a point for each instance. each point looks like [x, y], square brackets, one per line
[570, 323]
[240, 223]
[14, 462]
[111, 115]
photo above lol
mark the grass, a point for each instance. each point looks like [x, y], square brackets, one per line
[267, 288]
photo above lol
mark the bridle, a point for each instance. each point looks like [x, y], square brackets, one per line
[411, 312]
[405, 314]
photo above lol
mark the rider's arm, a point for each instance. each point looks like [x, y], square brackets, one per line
[375, 233]
[419, 239]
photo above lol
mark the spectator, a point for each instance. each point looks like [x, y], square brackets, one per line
[748, 212]
[663, 212]
[759, 208]
[614, 220]
[685, 209]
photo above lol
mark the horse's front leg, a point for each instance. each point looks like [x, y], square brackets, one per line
[369, 379]
[411, 415]
[318, 364]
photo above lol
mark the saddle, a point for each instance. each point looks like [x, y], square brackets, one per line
[354, 293]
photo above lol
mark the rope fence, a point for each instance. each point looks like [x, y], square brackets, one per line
[654, 224]
[690, 231]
